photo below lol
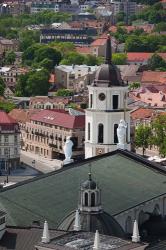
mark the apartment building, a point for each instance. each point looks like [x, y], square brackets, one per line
[125, 6]
[10, 74]
[47, 131]
[9, 142]
[75, 77]
[8, 45]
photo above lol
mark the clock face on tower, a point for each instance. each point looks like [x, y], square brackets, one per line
[101, 96]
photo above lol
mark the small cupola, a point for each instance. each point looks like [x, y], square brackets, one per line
[90, 196]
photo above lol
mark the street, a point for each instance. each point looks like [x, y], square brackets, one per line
[42, 164]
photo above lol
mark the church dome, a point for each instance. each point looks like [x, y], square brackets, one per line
[108, 74]
[90, 222]
[89, 184]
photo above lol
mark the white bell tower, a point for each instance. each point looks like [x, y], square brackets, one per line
[107, 106]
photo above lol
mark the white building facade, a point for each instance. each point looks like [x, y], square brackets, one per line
[107, 106]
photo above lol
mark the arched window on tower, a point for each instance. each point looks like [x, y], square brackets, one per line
[93, 200]
[86, 199]
[91, 100]
[88, 131]
[115, 133]
[100, 133]
[115, 101]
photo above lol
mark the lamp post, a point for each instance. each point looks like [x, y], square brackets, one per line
[7, 167]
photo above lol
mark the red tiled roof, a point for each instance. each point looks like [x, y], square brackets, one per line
[154, 76]
[99, 42]
[59, 118]
[22, 115]
[83, 50]
[141, 113]
[6, 119]
[142, 56]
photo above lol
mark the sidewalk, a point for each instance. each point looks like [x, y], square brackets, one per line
[42, 164]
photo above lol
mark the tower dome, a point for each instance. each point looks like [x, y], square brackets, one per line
[108, 74]
[92, 217]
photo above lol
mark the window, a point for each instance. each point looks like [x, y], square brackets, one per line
[91, 100]
[88, 130]
[6, 152]
[15, 139]
[115, 133]
[115, 99]
[86, 199]
[92, 199]
[6, 139]
[15, 151]
[100, 133]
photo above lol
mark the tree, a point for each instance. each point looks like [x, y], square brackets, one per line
[37, 83]
[21, 85]
[134, 85]
[159, 133]
[2, 86]
[119, 58]
[63, 47]
[91, 60]
[64, 92]
[142, 137]
[156, 62]
[7, 106]
[160, 27]
[10, 57]
[28, 38]
[73, 58]
[120, 17]
[47, 64]
[49, 53]
[29, 54]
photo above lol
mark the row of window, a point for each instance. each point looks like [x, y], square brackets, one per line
[6, 139]
[6, 151]
[100, 133]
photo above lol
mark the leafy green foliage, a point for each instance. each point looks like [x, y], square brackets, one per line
[64, 92]
[7, 106]
[119, 58]
[28, 38]
[142, 43]
[159, 133]
[63, 47]
[33, 83]
[143, 136]
[47, 52]
[156, 62]
[153, 14]
[10, 26]
[10, 57]
[134, 85]
[2, 86]
[39, 55]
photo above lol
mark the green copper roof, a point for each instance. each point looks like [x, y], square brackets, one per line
[125, 181]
